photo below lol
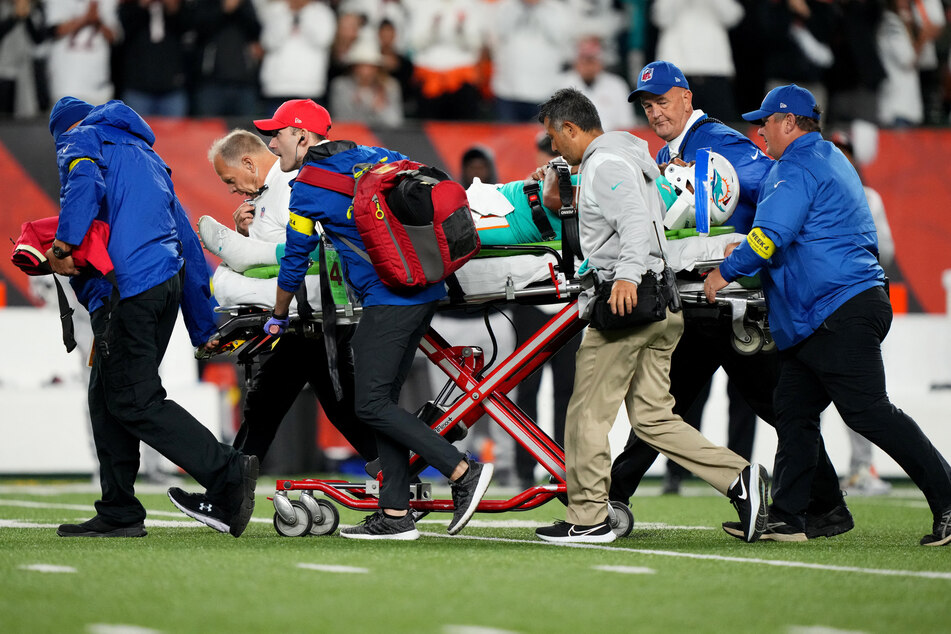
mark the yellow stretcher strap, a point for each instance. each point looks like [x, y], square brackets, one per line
[761, 243]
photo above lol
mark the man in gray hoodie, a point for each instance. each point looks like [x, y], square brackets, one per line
[620, 215]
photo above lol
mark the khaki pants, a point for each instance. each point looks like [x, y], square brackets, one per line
[631, 366]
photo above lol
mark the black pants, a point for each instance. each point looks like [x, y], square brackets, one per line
[703, 348]
[383, 349]
[841, 363]
[127, 404]
[296, 361]
[528, 321]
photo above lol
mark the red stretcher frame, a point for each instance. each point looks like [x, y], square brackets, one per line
[482, 395]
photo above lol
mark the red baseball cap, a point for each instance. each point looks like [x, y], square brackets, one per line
[297, 113]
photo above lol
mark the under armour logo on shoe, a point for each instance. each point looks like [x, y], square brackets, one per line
[204, 507]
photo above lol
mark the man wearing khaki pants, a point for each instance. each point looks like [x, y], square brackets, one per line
[620, 216]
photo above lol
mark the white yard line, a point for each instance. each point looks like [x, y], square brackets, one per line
[47, 568]
[924, 574]
[331, 568]
[30, 504]
[119, 628]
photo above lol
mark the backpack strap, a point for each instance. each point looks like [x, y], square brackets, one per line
[318, 177]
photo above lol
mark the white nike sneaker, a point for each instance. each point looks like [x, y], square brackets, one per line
[237, 251]
[565, 532]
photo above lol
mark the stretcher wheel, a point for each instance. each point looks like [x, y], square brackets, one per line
[623, 521]
[301, 525]
[329, 518]
[755, 343]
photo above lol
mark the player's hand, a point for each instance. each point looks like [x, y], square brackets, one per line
[729, 249]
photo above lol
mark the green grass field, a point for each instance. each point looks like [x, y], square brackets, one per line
[677, 572]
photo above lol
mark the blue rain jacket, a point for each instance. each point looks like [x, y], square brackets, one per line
[108, 171]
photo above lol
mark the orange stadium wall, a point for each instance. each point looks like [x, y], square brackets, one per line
[916, 190]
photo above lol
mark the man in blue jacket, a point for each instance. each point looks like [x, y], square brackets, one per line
[663, 92]
[390, 328]
[814, 242]
[109, 172]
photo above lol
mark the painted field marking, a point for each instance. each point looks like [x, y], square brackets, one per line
[331, 568]
[924, 574]
[47, 568]
[473, 629]
[819, 629]
[536, 524]
[627, 570]
[30, 504]
[119, 628]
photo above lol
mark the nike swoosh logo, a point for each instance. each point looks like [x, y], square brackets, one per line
[742, 494]
[777, 184]
[572, 532]
[616, 186]
[755, 155]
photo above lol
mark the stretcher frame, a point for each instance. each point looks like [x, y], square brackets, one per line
[484, 394]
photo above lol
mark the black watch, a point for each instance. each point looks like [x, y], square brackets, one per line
[60, 254]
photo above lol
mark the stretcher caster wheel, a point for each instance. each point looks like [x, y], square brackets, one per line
[329, 518]
[753, 345]
[621, 520]
[301, 524]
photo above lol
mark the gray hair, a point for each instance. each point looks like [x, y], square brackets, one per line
[234, 145]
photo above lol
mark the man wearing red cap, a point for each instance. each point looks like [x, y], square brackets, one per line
[390, 328]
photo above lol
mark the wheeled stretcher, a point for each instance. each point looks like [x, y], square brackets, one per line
[535, 275]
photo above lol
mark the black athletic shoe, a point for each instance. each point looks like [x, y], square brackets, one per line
[98, 527]
[835, 522]
[749, 494]
[941, 531]
[242, 497]
[197, 506]
[382, 526]
[777, 531]
[468, 492]
[576, 533]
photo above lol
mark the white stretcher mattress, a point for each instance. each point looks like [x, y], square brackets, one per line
[478, 276]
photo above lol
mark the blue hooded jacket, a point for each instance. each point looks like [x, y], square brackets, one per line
[108, 171]
[332, 210]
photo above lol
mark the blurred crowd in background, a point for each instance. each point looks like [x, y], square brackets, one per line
[383, 61]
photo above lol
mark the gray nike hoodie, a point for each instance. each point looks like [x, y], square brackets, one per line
[620, 210]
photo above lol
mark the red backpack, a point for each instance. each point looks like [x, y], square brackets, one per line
[414, 220]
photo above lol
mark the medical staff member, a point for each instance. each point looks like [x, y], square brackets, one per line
[108, 171]
[621, 231]
[814, 243]
[390, 327]
[705, 347]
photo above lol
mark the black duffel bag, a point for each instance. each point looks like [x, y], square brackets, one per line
[653, 296]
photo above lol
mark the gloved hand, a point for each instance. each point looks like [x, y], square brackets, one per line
[277, 324]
